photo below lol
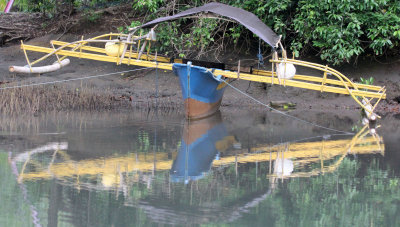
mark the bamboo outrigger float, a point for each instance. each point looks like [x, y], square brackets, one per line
[135, 50]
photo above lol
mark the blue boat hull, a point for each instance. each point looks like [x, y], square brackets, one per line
[201, 92]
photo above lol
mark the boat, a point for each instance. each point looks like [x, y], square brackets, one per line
[201, 91]
[203, 83]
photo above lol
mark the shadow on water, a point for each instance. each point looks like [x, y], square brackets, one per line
[246, 169]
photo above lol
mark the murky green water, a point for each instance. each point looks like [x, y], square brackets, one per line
[239, 169]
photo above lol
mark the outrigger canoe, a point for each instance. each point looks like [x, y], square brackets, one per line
[203, 83]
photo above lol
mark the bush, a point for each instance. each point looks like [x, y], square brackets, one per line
[343, 29]
[338, 30]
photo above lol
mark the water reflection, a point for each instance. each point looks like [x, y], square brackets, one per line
[327, 153]
[201, 144]
[206, 175]
[204, 143]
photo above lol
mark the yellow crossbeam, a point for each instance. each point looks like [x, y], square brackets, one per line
[319, 80]
[103, 51]
[84, 47]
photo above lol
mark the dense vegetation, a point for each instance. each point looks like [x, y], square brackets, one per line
[336, 30]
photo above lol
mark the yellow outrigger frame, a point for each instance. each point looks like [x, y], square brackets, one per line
[364, 95]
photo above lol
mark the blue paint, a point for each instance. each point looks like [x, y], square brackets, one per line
[194, 160]
[198, 83]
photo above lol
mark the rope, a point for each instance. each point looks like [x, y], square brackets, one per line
[285, 114]
[67, 80]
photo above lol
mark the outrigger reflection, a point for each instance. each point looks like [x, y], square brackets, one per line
[203, 83]
[205, 144]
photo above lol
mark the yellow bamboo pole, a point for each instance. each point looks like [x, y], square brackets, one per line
[58, 59]
[130, 55]
[376, 104]
[317, 80]
[26, 55]
[138, 46]
[117, 57]
[322, 68]
[80, 48]
[340, 76]
[324, 79]
[103, 51]
[148, 50]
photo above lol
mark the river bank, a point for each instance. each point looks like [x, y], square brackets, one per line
[132, 89]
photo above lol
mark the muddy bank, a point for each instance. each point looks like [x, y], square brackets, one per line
[138, 88]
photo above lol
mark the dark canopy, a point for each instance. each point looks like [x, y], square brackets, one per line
[247, 19]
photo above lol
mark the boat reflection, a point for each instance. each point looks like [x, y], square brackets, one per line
[205, 144]
[201, 144]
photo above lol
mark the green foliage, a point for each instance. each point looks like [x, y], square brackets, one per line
[3, 4]
[133, 24]
[51, 7]
[274, 13]
[367, 81]
[337, 30]
[173, 38]
[341, 30]
[91, 15]
[44, 6]
[150, 5]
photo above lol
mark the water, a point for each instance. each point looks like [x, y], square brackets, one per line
[240, 169]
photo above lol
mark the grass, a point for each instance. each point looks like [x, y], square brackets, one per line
[40, 99]
[3, 4]
[32, 100]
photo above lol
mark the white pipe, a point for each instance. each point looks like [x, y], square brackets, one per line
[43, 69]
